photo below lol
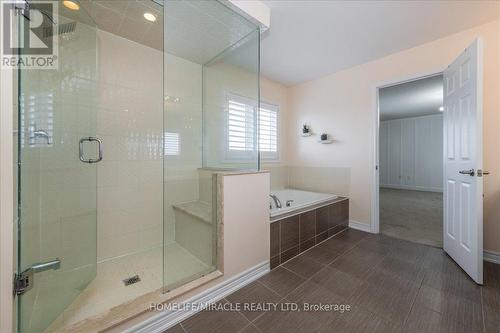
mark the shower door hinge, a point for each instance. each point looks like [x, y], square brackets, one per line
[24, 280]
[22, 7]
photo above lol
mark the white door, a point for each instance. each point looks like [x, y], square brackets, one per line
[463, 184]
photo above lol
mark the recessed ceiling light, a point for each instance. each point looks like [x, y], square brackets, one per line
[441, 108]
[71, 5]
[150, 17]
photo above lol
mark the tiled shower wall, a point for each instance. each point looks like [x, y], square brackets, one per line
[131, 120]
[130, 124]
[183, 125]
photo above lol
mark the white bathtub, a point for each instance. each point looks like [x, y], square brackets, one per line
[302, 200]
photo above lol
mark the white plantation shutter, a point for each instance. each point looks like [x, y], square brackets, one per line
[172, 144]
[240, 126]
[268, 131]
[241, 135]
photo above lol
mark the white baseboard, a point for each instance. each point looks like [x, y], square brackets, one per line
[360, 226]
[168, 318]
[491, 256]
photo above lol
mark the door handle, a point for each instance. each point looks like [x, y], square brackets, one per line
[480, 172]
[90, 139]
[467, 172]
[24, 281]
[54, 264]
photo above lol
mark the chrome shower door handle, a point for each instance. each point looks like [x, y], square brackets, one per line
[80, 150]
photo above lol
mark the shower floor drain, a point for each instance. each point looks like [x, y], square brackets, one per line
[131, 280]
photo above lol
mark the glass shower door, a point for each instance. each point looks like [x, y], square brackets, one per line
[57, 155]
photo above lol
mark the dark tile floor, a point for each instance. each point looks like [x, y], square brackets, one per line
[390, 285]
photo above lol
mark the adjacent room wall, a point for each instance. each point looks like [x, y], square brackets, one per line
[344, 104]
[411, 153]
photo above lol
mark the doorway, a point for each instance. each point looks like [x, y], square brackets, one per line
[462, 160]
[411, 160]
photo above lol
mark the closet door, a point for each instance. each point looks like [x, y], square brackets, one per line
[383, 153]
[408, 152]
[394, 152]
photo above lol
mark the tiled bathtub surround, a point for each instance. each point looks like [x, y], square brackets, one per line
[295, 234]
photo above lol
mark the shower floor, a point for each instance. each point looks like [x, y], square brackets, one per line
[107, 290]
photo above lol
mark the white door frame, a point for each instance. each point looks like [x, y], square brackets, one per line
[375, 181]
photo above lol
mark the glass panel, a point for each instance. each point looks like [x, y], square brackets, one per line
[210, 53]
[231, 81]
[57, 192]
[124, 108]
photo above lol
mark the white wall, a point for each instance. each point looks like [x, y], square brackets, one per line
[344, 104]
[411, 153]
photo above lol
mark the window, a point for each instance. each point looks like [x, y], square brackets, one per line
[240, 125]
[241, 136]
[268, 131]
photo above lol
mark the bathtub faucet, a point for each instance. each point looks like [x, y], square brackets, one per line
[277, 201]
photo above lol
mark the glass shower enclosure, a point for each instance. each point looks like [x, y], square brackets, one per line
[117, 150]
[210, 54]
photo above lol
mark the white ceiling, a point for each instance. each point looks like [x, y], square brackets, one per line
[311, 39]
[411, 99]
